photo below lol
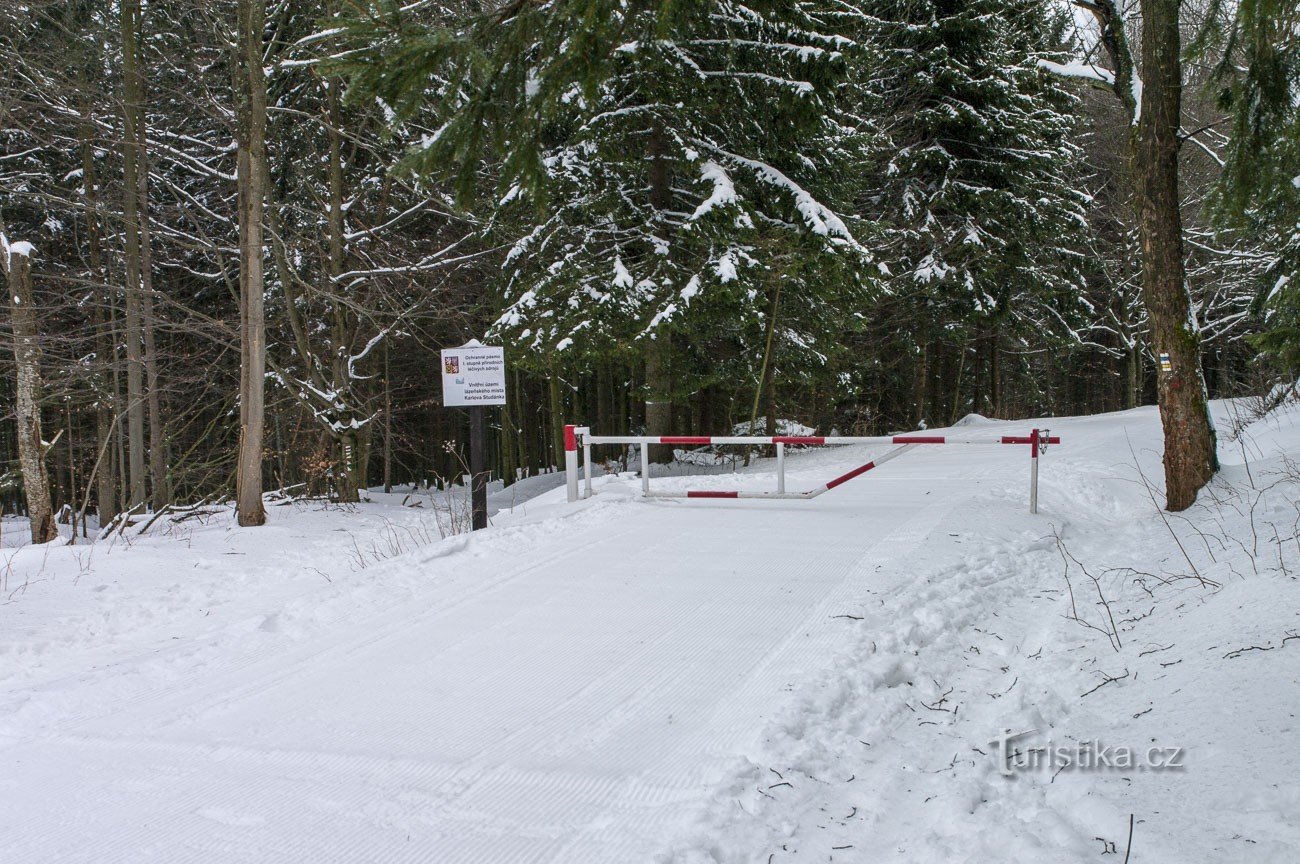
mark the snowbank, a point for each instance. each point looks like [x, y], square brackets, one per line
[1114, 678]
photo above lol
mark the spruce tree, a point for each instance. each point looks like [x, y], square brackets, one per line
[1258, 73]
[660, 169]
[976, 196]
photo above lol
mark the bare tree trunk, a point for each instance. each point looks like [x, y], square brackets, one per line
[555, 406]
[1133, 364]
[251, 120]
[658, 345]
[1190, 458]
[354, 445]
[659, 393]
[388, 426]
[160, 487]
[119, 440]
[105, 422]
[72, 474]
[920, 375]
[142, 374]
[954, 411]
[132, 111]
[1155, 104]
[765, 390]
[15, 261]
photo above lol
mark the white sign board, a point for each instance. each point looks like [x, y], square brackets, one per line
[473, 374]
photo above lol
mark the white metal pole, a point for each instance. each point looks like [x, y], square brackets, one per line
[645, 468]
[1033, 472]
[780, 467]
[571, 463]
[586, 462]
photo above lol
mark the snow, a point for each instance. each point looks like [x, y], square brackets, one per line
[622, 276]
[724, 191]
[1277, 287]
[17, 247]
[1078, 69]
[623, 680]
[692, 288]
[726, 267]
[819, 219]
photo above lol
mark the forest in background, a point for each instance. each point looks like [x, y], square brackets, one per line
[921, 210]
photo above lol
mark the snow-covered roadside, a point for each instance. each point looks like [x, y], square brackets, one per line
[1169, 688]
[203, 594]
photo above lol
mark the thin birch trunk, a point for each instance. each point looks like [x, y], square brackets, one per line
[15, 261]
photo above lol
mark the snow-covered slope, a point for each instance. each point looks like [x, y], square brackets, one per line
[624, 680]
[996, 704]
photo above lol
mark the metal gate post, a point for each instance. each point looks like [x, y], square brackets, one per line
[780, 467]
[1033, 471]
[571, 463]
[645, 468]
[586, 462]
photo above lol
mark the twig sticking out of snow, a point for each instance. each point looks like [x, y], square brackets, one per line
[1111, 631]
[1107, 679]
[1205, 583]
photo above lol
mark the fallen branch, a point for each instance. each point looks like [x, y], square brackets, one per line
[1290, 636]
[1108, 679]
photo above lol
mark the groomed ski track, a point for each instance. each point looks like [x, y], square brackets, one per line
[574, 707]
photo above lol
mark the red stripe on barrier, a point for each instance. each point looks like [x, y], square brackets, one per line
[686, 439]
[712, 494]
[570, 439]
[856, 472]
[1029, 439]
[918, 439]
[798, 439]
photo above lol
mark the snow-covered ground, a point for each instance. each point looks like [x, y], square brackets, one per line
[623, 680]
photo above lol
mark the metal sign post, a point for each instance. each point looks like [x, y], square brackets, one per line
[474, 377]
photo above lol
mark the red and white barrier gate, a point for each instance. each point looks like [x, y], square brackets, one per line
[580, 437]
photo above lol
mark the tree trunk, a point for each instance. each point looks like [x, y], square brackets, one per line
[132, 111]
[1133, 390]
[1190, 458]
[388, 425]
[105, 422]
[954, 411]
[920, 374]
[119, 440]
[352, 446]
[1156, 108]
[556, 412]
[159, 484]
[354, 457]
[659, 394]
[658, 345]
[15, 261]
[252, 330]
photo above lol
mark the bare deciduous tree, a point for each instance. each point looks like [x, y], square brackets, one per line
[15, 262]
[251, 97]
